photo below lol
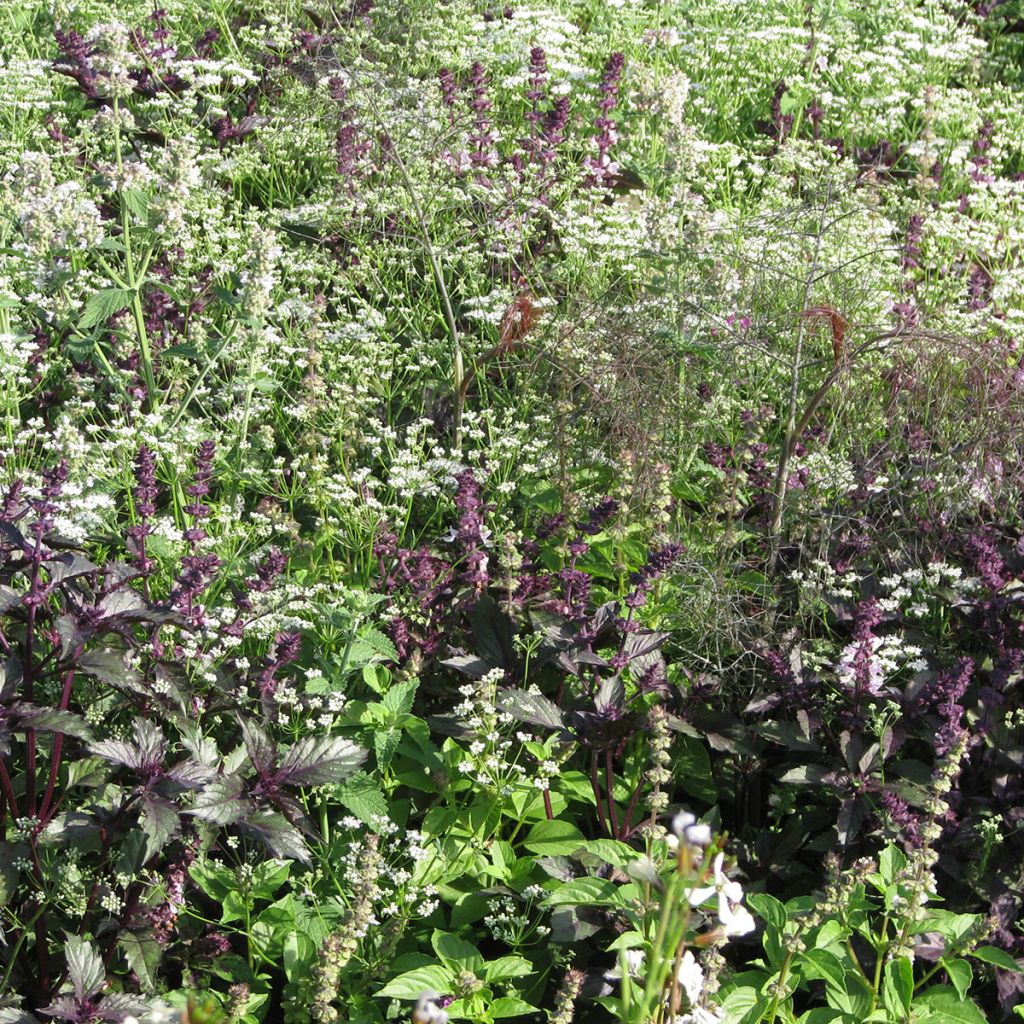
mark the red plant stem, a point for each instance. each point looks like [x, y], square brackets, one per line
[626, 825]
[43, 956]
[30, 735]
[596, 786]
[58, 744]
[547, 805]
[609, 784]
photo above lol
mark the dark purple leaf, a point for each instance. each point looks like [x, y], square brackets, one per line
[639, 644]
[493, 633]
[11, 675]
[150, 741]
[851, 817]
[611, 694]
[67, 566]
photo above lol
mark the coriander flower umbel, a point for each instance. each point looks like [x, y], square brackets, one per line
[686, 827]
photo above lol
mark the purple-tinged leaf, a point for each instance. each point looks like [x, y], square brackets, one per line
[63, 1006]
[12, 1015]
[125, 605]
[281, 837]
[110, 667]
[262, 750]
[119, 751]
[759, 705]
[468, 665]
[870, 759]
[150, 742]
[71, 637]
[534, 708]
[143, 953]
[85, 967]
[191, 774]
[67, 566]
[202, 748]
[11, 676]
[119, 1006]
[51, 720]
[8, 598]
[319, 760]
[222, 802]
[159, 821]
[122, 601]
[611, 694]
[638, 644]
[851, 816]
[292, 809]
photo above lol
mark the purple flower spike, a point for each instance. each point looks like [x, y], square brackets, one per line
[602, 167]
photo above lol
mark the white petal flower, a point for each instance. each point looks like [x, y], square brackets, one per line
[686, 827]
[690, 977]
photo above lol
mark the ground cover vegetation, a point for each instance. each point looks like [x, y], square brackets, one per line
[511, 512]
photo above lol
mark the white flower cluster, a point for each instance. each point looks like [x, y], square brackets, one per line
[486, 757]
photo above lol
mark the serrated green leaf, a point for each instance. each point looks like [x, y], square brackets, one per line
[363, 796]
[385, 743]
[400, 698]
[136, 202]
[102, 305]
